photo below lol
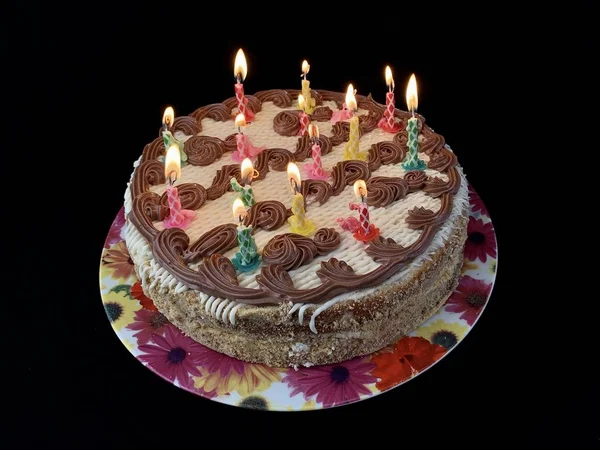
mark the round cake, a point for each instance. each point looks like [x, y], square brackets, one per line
[321, 296]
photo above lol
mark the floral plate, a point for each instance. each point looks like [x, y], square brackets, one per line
[165, 350]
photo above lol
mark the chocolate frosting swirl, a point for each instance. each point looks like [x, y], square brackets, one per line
[401, 138]
[315, 191]
[304, 147]
[326, 240]
[215, 111]
[287, 123]
[383, 191]
[419, 217]
[340, 132]
[335, 270]
[345, 173]
[274, 158]
[153, 150]
[432, 142]
[148, 173]
[370, 105]
[218, 240]
[321, 114]
[221, 183]
[146, 209]
[203, 150]
[436, 187]
[279, 97]
[289, 250]
[230, 143]
[268, 215]
[415, 180]
[442, 160]
[389, 152]
[192, 196]
[387, 251]
[368, 122]
[374, 161]
[187, 125]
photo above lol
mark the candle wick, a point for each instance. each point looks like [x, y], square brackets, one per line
[239, 78]
[172, 179]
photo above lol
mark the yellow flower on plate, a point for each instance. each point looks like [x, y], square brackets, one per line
[443, 333]
[492, 267]
[120, 308]
[118, 262]
[469, 265]
[255, 378]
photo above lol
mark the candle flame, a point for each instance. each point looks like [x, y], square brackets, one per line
[412, 99]
[240, 120]
[389, 79]
[247, 170]
[313, 131]
[168, 116]
[360, 189]
[350, 98]
[294, 177]
[305, 67]
[239, 66]
[301, 101]
[173, 163]
[239, 211]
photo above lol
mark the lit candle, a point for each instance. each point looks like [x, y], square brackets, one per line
[351, 151]
[298, 222]
[303, 116]
[315, 170]
[344, 113]
[412, 161]
[387, 122]
[248, 173]
[247, 258]
[240, 70]
[168, 138]
[244, 148]
[310, 101]
[366, 231]
[178, 218]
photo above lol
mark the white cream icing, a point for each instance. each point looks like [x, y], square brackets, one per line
[390, 219]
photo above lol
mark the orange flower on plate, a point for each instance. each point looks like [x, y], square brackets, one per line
[117, 259]
[409, 356]
[138, 293]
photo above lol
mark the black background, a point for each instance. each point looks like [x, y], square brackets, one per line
[91, 91]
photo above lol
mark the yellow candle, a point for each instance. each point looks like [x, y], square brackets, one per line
[299, 224]
[309, 105]
[351, 151]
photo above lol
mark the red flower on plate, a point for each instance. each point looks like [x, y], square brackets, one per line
[173, 356]
[334, 384]
[476, 202]
[138, 293]
[469, 298]
[410, 355]
[148, 323]
[114, 234]
[481, 240]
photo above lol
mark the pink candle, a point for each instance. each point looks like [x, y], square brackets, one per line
[389, 108]
[240, 71]
[363, 216]
[303, 124]
[387, 122]
[314, 170]
[178, 217]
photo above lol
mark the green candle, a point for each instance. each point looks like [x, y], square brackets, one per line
[247, 258]
[246, 194]
[412, 161]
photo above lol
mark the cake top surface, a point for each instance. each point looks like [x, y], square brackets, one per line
[408, 207]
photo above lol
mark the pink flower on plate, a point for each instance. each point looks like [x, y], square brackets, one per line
[481, 240]
[114, 234]
[174, 356]
[333, 384]
[476, 202]
[146, 323]
[469, 298]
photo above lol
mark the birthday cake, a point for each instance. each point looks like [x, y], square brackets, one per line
[336, 255]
